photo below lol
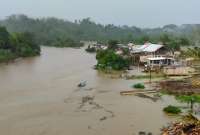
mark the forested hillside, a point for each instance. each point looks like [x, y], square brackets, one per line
[58, 32]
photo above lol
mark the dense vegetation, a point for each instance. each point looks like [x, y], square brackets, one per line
[190, 99]
[58, 32]
[172, 42]
[172, 109]
[59, 42]
[16, 45]
[49, 31]
[107, 59]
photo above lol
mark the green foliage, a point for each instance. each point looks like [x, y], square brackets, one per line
[47, 31]
[6, 55]
[172, 109]
[24, 45]
[4, 38]
[112, 44]
[53, 31]
[190, 99]
[142, 39]
[139, 86]
[107, 59]
[16, 45]
[66, 43]
[172, 42]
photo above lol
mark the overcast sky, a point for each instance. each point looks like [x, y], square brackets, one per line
[142, 13]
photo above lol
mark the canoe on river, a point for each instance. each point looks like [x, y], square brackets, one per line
[82, 84]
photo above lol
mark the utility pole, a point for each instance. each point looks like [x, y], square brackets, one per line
[150, 73]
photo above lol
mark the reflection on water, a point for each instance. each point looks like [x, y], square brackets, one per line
[39, 96]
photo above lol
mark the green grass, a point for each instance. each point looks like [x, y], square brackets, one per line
[172, 109]
[139, 86]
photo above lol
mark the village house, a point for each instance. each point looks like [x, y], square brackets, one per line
[153, 53]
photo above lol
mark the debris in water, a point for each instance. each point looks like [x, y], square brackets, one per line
[88, 89]
[89, 127]
[86, 99]
[144, 133]
[89, 101]
[103, 118]
[132, 92]
[82, 84]
[154, 98]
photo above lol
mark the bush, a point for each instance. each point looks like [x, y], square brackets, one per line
[139, 86]
[172, 109]
[107, 59]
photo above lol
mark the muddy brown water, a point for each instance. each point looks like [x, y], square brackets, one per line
[39, 96]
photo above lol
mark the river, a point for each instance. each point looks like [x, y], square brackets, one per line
[39, 96]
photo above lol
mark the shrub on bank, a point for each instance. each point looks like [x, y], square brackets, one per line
[108, 59]
[172, 109]
[139, 86]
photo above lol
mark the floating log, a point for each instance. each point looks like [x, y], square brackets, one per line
[133, 92]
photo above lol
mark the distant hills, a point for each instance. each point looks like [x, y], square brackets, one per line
[49, 31]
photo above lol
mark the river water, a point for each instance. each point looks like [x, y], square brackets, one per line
[39, 96]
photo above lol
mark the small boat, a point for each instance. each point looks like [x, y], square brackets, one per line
[82, 84]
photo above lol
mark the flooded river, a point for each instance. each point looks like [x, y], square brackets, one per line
[39, 96]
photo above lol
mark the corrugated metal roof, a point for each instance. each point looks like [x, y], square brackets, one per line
[157, 58]
[146, 48]
[160, 58]
[152, 47]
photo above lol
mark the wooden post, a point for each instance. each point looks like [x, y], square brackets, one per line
[150, 74]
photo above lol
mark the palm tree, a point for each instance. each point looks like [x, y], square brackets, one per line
[190, 99]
